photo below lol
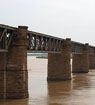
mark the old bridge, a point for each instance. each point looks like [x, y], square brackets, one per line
[16, 42]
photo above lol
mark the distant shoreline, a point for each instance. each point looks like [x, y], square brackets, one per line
[42, 57]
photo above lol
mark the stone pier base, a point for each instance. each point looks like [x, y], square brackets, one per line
[80, 62]
[92, 61]
[59, 64]
[17, 74]
[14, 75]
[2, 74]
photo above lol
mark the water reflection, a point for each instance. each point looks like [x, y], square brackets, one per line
[14, 102]
[81, 81]
[79, 91]
[58, 92]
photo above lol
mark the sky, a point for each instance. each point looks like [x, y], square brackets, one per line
[73, 19]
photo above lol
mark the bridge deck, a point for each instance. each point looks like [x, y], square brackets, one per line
[38, 42]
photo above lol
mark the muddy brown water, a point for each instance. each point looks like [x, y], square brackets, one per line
[79, 91]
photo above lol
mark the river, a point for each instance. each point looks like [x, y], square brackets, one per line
[78, 91]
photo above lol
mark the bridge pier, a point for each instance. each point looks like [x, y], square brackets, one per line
[16, 71]
[59, 67]
[80, 62]
[2, 73]
[92, 61]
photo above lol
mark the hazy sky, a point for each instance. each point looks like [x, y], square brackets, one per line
[73, 19]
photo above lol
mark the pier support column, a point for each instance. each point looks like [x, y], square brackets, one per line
[2, 74]
[92, 61]
[59, 63]
[16, 73]
[80, 62]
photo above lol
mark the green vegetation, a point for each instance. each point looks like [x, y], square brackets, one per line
[42, 57]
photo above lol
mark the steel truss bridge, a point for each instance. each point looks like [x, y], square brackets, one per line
[38, 42]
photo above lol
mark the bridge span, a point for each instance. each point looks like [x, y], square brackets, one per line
[16, 42]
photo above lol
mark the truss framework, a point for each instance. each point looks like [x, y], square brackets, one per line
[39, 43]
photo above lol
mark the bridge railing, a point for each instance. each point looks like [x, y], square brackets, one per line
[6, 35]
[39, 42]
[76, 47]
[44, 43]
[91, 49]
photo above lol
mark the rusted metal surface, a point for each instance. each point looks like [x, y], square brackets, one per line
[38, 42]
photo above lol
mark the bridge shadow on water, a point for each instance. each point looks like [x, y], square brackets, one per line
[78, 91]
